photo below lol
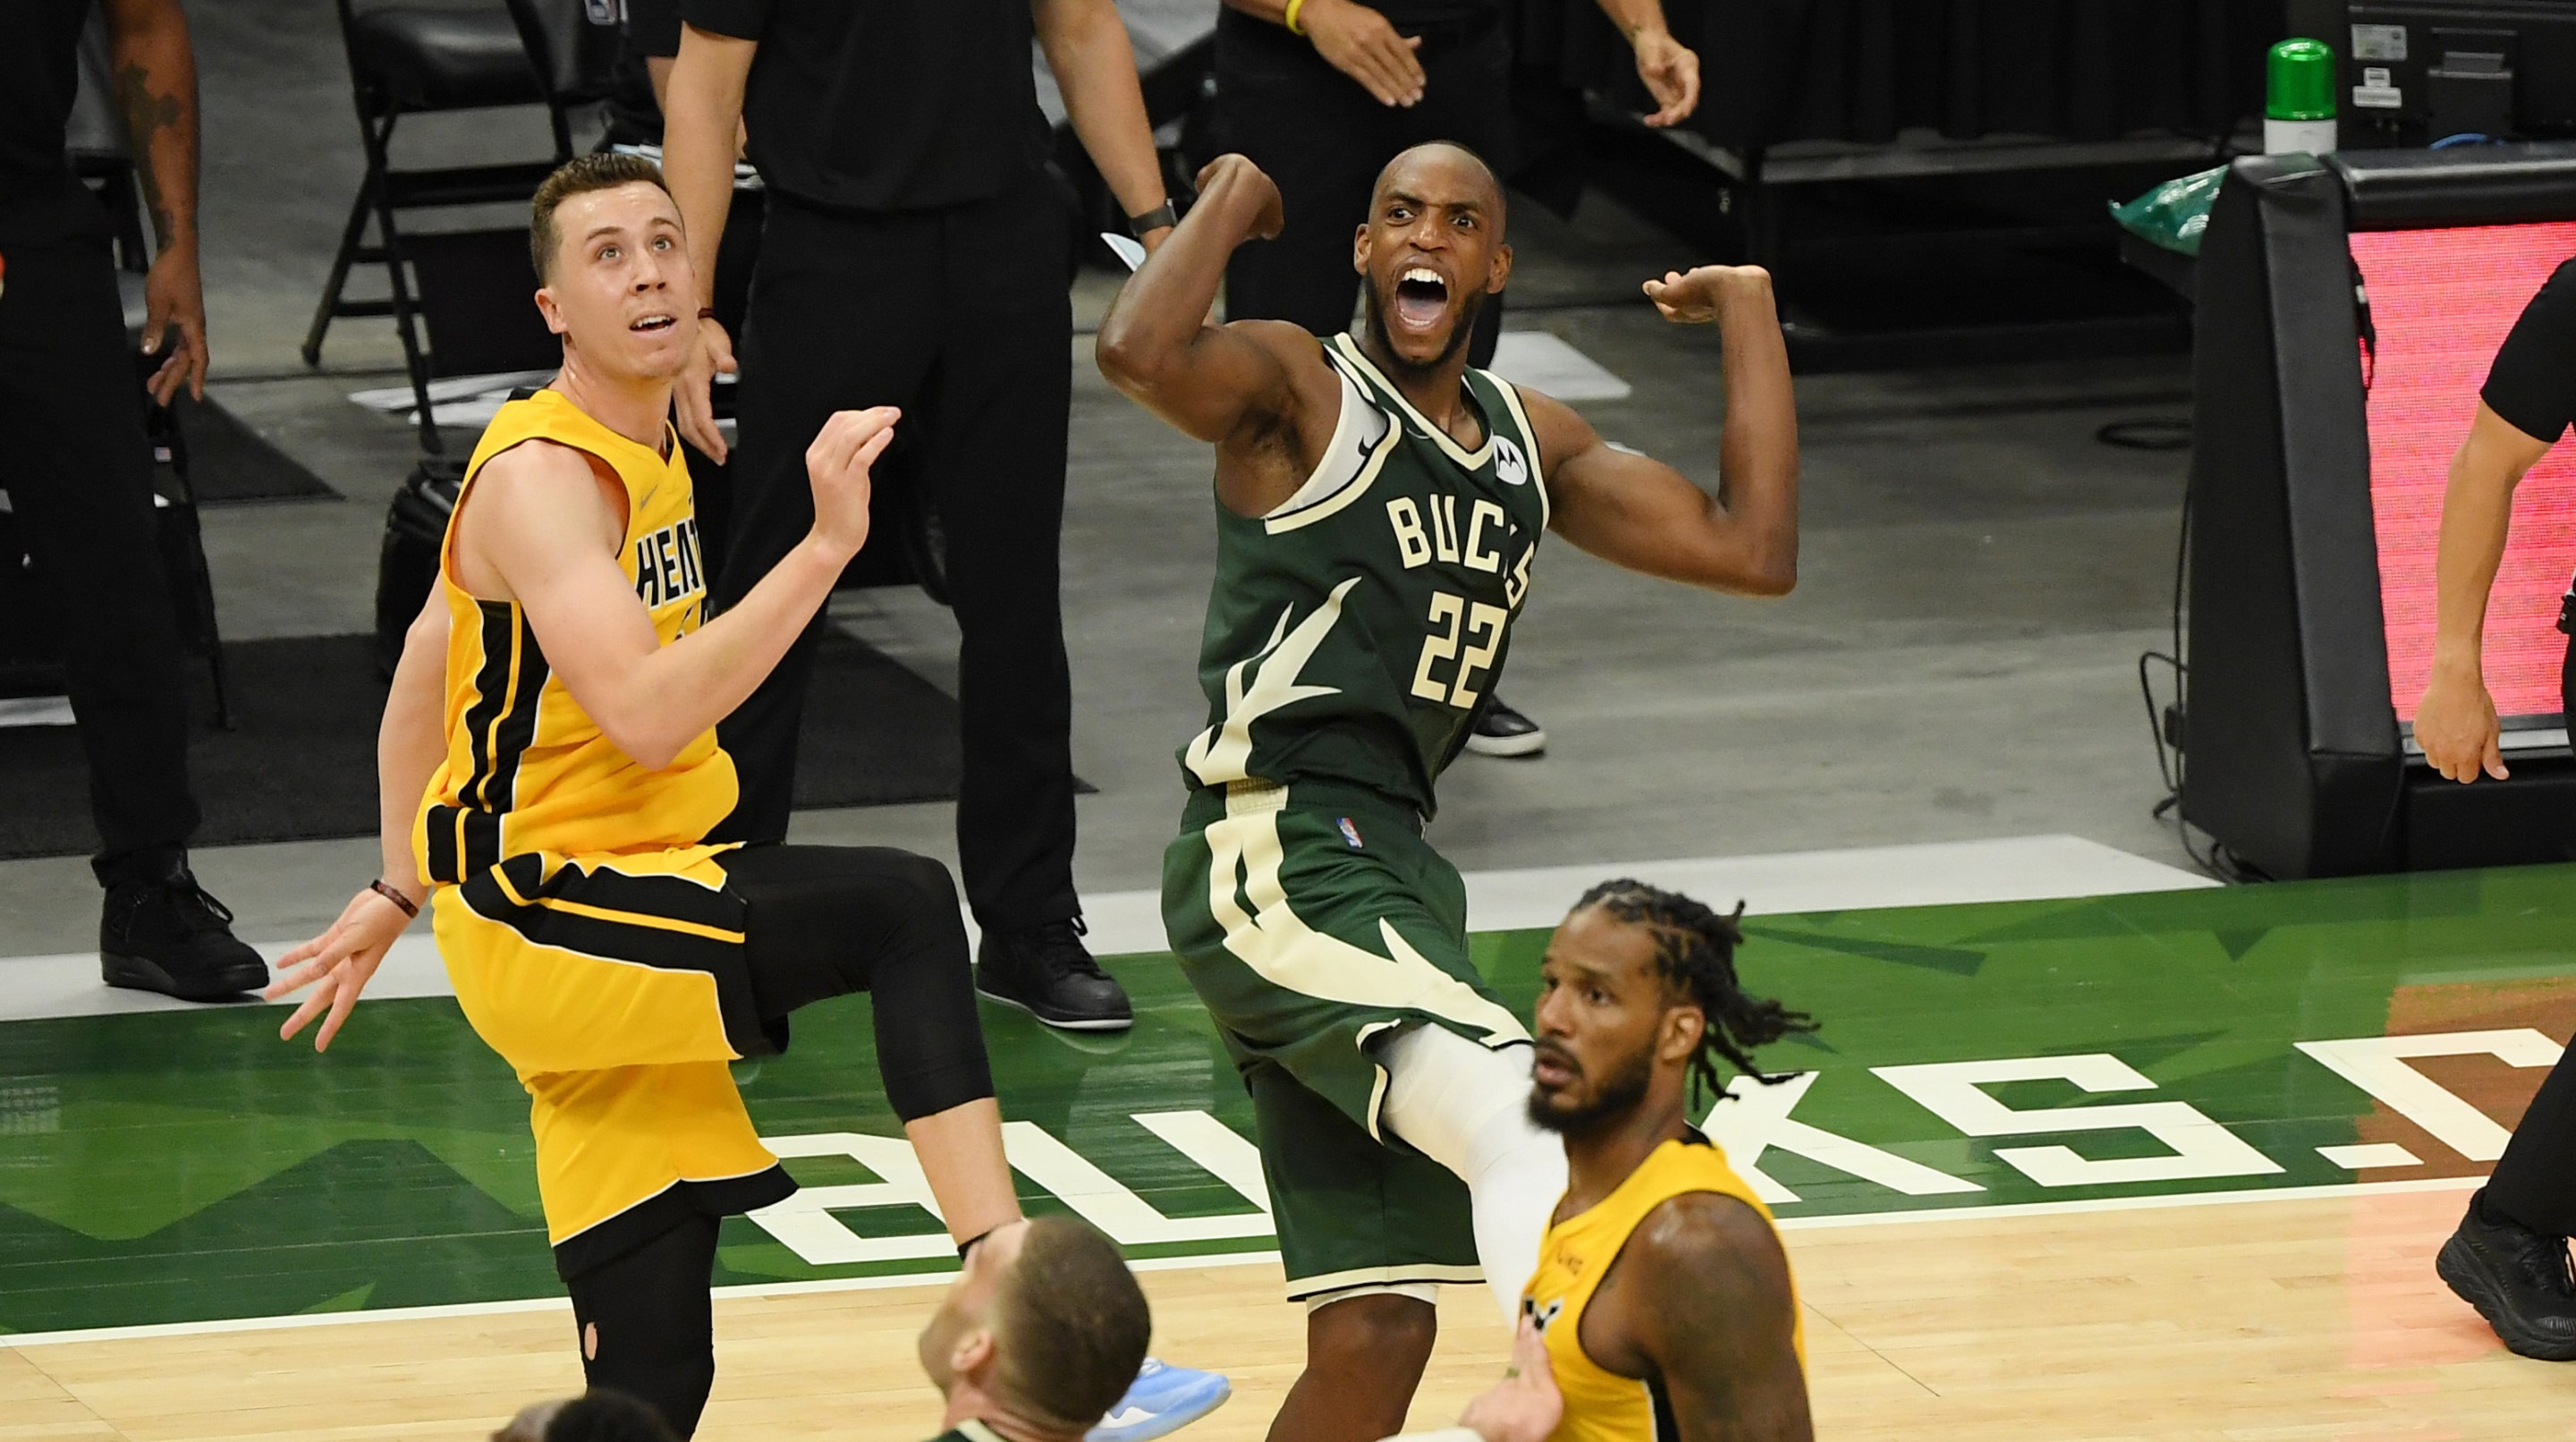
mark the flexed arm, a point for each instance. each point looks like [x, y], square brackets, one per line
[1639, 513]
[1260, 389]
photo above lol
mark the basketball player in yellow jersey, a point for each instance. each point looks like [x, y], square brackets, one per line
[1662, 1307]
[549, 772]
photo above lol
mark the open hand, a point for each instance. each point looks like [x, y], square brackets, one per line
[174, 298]
[1526, 1405]
[1699, 296]
[1362, 44]
[694, 393]
[837, 463]
[1671, 72]
[337, 965]
[2456, 725]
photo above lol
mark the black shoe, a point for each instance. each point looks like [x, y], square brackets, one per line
[1502, 731]
[2517, 1279]
[167, 935]
[1047, 972]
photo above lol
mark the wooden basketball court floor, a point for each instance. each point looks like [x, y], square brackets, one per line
[2157, 1165]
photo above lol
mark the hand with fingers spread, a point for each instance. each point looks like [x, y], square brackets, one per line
[1362, 44]
[338, 964]
[1671, 72]
[693, 394]
[2456, 725]
[1702, 295]
[837, 464]
[1525, 1406]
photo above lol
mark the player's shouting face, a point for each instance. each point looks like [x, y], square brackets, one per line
[621, 291]
[1431, 252]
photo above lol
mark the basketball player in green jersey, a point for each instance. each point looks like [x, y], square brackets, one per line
[1378, 508]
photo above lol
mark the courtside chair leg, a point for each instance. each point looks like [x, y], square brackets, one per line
[350, 239]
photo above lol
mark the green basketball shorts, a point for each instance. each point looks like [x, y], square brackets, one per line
[1312, 920]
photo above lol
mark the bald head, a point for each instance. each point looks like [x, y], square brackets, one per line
[1432, 249]
[1442, 172]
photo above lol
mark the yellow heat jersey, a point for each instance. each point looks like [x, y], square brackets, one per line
[527, 770]
[582, 915]
[1600, 1405]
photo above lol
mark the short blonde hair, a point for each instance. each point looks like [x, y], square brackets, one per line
[605, 170]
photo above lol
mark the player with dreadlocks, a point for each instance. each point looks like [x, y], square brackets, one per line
[1662, 1305]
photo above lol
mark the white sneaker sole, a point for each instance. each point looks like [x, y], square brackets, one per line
[1527, 745]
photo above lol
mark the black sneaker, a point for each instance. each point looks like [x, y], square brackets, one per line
[1502, 731]
[2517, 1279]
[167, 935]
[1047, 972]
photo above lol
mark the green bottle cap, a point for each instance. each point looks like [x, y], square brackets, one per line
[2300, 82]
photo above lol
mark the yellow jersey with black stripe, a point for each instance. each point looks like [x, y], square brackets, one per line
[583, 917]
[1601, 1405]
[527, 770]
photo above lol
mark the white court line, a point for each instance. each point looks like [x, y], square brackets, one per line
[2013, 868]
[1240, 1259]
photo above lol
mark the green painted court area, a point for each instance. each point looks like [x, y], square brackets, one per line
[187, 1166]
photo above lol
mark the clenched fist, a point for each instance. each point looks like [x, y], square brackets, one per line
[1699, 296]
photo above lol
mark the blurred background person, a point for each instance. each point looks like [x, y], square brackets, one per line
[2508, 1256]
[78, 469]
[915, 253]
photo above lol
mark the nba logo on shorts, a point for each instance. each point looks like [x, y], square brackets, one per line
[1350, 833]
[1510, 466]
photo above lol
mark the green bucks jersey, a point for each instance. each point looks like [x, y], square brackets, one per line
[1353, 630]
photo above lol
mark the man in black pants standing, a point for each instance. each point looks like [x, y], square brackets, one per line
[2509, 1256]
[1321, 94]
[914, 254]
[78, 470]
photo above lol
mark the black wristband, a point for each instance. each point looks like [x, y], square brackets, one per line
[1155, 219]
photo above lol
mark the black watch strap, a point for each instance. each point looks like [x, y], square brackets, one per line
[1155, 219]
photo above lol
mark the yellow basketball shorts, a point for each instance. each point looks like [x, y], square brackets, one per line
[617, 988]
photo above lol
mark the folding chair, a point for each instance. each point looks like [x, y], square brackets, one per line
[412, 60]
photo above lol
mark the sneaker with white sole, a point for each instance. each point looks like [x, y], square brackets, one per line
[1502, 731]
[1163, 1400]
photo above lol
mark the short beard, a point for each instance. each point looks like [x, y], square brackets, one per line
[1618, 1096]
[1458, 337]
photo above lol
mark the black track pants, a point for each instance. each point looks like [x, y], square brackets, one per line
[960, 317]
[79, 476]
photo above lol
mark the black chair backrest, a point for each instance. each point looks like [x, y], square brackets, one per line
[573, 44]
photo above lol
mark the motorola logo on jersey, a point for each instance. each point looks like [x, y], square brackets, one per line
[1510, 466]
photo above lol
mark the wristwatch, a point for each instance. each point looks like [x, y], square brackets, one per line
[1155, 219]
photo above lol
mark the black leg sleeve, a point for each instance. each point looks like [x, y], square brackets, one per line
[2535, 1181]
[826, 921]
[75, 463]
[646, 1324]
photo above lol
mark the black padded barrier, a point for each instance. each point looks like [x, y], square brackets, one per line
[2295, 760]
